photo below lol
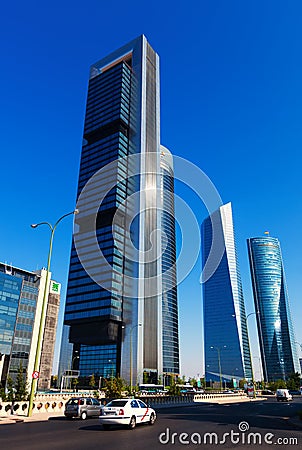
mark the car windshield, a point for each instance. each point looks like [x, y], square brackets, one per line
[117, 403]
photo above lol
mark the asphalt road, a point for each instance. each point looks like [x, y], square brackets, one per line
[272, 421]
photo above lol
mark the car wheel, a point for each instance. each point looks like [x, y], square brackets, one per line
[84, 415]
[152, 419]
[132, 423]
[106, 427]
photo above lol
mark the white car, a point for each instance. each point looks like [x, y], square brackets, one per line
[126, 411]
[283, 395]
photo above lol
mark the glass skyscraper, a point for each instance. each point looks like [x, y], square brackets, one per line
[275, 329]
[115, 286]
[226, 344]
[169, 299]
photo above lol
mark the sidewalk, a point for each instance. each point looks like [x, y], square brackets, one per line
[38, 417]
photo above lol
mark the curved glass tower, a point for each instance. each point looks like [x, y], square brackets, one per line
[276, 334]
[227, 351]
[169, 296]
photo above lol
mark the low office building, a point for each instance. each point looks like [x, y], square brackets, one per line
[21, 298]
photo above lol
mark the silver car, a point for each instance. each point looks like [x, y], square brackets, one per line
[82, 407]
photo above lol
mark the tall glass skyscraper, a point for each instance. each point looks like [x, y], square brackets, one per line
[169, 296]
[276, 334]
[115, 285]
[226, 344]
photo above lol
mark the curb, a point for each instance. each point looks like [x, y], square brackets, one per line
[8, 420]
[22, 419]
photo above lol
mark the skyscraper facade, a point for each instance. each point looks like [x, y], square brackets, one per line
[169, 296]
[226, 344]
[21, 298]
[275, 328]
[114, 295]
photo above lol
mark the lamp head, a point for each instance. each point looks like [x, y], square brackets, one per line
[76, 211]
[34, 225]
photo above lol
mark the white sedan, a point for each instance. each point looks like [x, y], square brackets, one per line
[128, 412]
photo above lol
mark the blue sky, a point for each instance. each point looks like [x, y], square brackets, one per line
[231, 97]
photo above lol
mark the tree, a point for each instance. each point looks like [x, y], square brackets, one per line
[16, 391]
[145, 377]
[202, 382]
[54, 381]
[92, 381]
[294, 381]
[242, 383]
[114, 387]
[10, 390]
[2, 394]
[278, 384]
[74, 383]
[20, 385]
[182, 380]
[193, 382]
[173, 388]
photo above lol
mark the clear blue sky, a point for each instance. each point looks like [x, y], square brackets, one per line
[231, 102]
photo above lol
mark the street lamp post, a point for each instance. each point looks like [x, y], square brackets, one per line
[71, 369]
[250, 352]
[131, 330]
[260, 367]
[252, 369]
[219, 363]
[73, 359]
[43, 312]
[112, 366]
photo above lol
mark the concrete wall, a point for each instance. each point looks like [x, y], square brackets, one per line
[56, 403]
